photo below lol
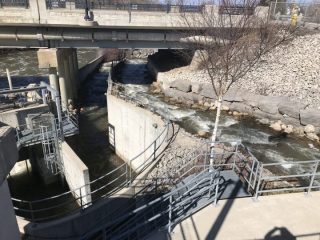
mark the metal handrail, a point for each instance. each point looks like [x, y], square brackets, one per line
[162, 198]
[73, 191]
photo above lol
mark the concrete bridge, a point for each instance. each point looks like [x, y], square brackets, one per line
[75, 36]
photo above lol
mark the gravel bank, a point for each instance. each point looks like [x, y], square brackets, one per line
[291, 70]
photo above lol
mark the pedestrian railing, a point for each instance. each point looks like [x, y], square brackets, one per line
[14, 3]
[56, 4]
[106, 5]
[288, 177]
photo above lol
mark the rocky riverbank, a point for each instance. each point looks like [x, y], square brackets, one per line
[283, 90]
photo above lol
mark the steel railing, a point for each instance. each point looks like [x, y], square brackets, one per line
[303, 177]
[14, 3]
[101, 187]
[105, 5]
[163, 211]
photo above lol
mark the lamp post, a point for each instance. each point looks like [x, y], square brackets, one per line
[86, 13]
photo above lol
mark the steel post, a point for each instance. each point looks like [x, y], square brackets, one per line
[259, 182]
[313, 176]
[170, 214]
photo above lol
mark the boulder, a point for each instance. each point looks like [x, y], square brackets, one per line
[291, 109]
[203, 134]
[289, 129]
[260, 114]
[196, 87]
[313, 136]
[264, 121]
[181, 85]
[299, 131]
[241, 107]
[310, 116]
[276, 126]
[176, 94]
[233, 95]
[251, 99]
[309, 129]
[207, 91]
[290, 120]
[269, 104]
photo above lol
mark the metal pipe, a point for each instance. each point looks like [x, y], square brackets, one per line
[9, 79]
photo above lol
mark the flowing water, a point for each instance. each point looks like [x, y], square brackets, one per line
[92, 143]
[23, 66]
[251, 133]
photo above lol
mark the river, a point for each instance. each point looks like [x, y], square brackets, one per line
[245, 129]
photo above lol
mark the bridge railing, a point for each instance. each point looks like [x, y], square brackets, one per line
[105, 5]
[56, 4]
[14, 3]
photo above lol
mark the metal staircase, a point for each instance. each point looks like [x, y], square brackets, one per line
[165, 211]
[50, 147]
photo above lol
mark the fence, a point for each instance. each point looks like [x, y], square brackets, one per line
[105, 5]
[284, 10]
[14, 3]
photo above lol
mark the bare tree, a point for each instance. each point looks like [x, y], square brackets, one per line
[231, 38]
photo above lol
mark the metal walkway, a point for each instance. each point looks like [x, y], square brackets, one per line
[27, 136]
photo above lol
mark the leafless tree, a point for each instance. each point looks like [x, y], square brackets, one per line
[231, 38]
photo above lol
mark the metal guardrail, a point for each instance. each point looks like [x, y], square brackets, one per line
[288, 181]
[284, 10]
[105, 5]
[14, 3]
[56, 4]
[41, 210]
[236, 10]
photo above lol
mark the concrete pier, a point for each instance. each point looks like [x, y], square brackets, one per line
[63, 71]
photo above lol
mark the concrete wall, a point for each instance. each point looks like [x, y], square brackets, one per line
[8, 223]
[135, 129]
[17, 117]
[76, 173]
[89, 68]
[8, 152]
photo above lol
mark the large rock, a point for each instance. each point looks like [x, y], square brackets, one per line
[269, 104]
[260, 114]
[196, 87]
[181, 85]
[291, 109]
[207, 91]
[290, 120]
[251, 99]
[310, 116]
[234, 95]
[309, 129]
[276, 126]
[241, 107]
[179, 95]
